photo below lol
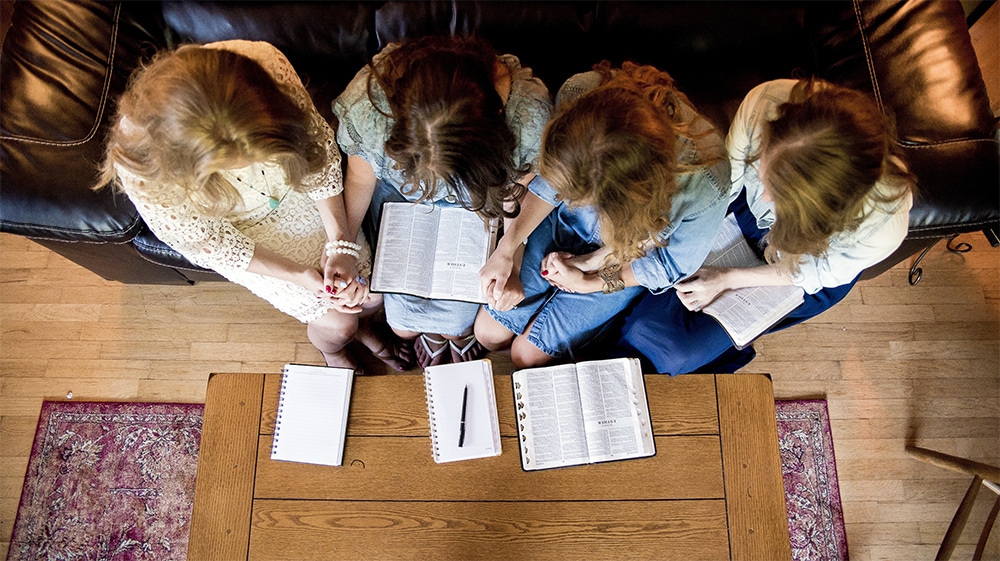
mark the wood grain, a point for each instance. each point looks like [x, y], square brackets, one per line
[398, 469]
[664, 530]
[220, 521]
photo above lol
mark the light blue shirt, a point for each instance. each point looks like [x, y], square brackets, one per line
[696, 210]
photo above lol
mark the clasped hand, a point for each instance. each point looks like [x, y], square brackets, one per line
[341, 284]
[500, 283]
[701, 288]
[570, 273]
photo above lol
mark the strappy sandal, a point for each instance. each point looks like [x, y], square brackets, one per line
[466, 349]
[427, 356]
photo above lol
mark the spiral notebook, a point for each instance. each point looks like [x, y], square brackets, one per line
[462, 409]
[312, 414]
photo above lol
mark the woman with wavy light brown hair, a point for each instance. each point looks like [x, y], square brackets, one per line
[634, 186]
[442, 121]
[819, 190]
[229, 163]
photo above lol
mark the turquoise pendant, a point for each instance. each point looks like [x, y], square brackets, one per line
[273, 202]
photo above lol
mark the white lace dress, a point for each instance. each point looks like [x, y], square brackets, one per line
[273, 215]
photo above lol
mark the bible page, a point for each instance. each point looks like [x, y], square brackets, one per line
[463, 245]
[746, 312]
[614, 411]
[549, 417]
[405, 252]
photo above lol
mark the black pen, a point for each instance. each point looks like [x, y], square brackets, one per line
[461, 426]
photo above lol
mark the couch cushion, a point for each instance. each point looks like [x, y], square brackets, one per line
[326, 42]
[917, 61]
[63, 64]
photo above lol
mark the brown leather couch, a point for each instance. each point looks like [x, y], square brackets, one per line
[65, 62]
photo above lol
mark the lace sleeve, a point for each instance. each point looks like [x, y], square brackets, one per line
[213, 243]
[328, 182]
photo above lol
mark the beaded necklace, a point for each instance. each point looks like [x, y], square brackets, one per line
[272, 200]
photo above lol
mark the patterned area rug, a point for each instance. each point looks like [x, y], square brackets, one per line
[109, 481]
[815, 516]
[115, 481]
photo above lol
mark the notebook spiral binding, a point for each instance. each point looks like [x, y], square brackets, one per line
[428, 391]
[277, 417]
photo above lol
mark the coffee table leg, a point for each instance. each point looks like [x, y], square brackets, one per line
[755, 493]
[227, 458]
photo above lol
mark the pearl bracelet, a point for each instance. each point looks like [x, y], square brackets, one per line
[330, 246]
[331, 251]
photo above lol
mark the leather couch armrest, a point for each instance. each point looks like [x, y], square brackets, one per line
[63, 65]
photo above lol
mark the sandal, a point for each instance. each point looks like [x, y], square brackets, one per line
[428, 356]
[471, 349]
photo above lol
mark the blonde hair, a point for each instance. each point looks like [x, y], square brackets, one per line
[191, 113]
[821, 159]
[449, 124]
[615, 148]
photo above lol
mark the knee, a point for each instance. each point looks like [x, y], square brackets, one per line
[333, 328]
[491, 333]
[526, 355]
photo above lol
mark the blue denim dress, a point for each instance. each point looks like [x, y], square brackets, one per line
[565, 322]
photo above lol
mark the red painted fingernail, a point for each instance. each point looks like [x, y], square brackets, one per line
[545, 273]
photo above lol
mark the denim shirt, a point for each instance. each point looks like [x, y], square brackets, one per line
[881, 231]
[696, 210]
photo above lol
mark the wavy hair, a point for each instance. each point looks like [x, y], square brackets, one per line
[191, 113]
[449, 124]
[820, 161]
[615, 148]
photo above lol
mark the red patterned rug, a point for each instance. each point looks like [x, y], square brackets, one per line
[115, 481]
[109, 481]
[815, 515]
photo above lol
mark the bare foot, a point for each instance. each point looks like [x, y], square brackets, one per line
[343, 359]
[375, 334]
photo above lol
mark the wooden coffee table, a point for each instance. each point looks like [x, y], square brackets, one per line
[713, 490]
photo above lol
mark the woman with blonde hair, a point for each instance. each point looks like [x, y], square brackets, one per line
[634, 188]
[818, 189]
[440, 121]
[228, 162]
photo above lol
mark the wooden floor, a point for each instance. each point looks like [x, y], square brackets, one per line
[897, 364]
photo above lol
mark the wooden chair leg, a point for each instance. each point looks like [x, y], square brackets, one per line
[954, 532]
[985, 536]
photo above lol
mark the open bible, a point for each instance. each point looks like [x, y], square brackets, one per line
[746, 312]
[589, 412]
[432, 251]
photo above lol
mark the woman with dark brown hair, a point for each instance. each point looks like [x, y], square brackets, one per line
[443, 121]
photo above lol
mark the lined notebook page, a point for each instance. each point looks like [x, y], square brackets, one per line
[445, 386]
[312, 414]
